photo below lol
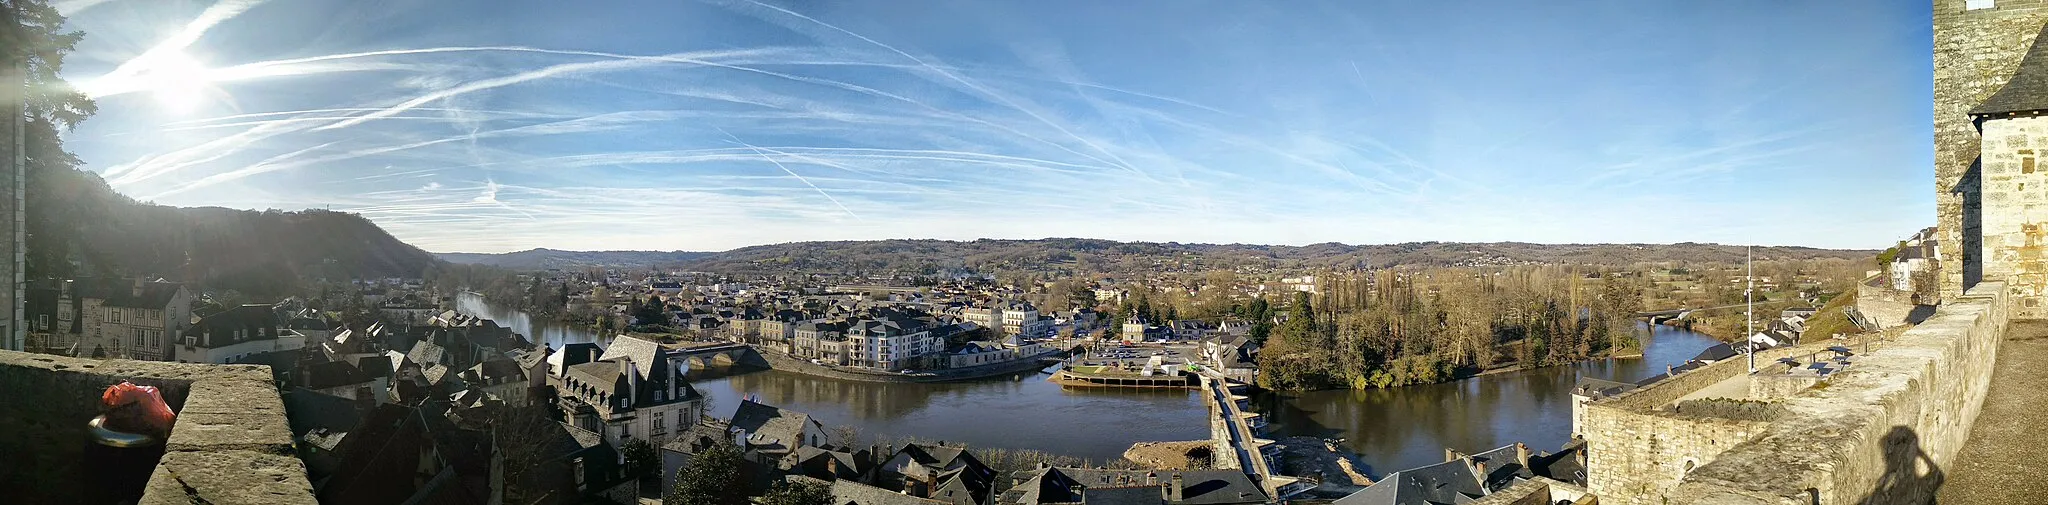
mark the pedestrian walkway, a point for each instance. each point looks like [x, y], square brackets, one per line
[2001, 462]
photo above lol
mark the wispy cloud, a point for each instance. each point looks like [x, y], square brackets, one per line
[473, 125]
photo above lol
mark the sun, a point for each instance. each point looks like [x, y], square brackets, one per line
[178, 81]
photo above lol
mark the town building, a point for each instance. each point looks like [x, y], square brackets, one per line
[234, 335]
[634, 391]
[891, 342]
[125, 318]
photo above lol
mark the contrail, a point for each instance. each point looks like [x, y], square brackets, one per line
[955, 78]
[792, 173]
[567, 68]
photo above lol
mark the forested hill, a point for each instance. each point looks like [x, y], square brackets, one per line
[543, 259]
[1106, 256]
[77, 222]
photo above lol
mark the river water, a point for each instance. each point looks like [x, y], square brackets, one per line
[1391, 429]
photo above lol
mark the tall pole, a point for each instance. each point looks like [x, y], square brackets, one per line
[1749, 307]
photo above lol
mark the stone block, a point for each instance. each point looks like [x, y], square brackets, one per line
[228, 477]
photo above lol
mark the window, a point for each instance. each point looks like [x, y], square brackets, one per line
[114, 315]
[1971, 5]
[43, 322]
[660, 425]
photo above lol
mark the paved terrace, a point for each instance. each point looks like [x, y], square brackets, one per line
[2001, 462]
[231, 444]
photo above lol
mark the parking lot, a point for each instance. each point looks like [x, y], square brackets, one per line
[1138, 354]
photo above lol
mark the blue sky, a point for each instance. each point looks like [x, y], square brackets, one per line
[499, 125]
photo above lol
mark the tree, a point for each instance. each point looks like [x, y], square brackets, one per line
[798, 493]
[710, 478]
[31, 36]
[641, 458]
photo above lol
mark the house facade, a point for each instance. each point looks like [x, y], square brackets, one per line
[235, 334]
[635, 391]
[126, 318]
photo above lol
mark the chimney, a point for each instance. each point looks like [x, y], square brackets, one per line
[365, 399]
[832, 467]
[1451, 454]
[1522, 454]
[1174, 490]
[1151, 478]
[1479, 471]
[137, 291]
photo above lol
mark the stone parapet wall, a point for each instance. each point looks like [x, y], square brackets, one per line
[231, 443]
[1881, 431]
[1638, 448]
[1883, 305]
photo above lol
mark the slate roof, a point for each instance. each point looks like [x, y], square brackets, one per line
[1129, 495]
[817, 462]
[255, 321]
[306, 410]
[643, 352]
[330, 374]
[121, 292]
[847, 492]
[1563, 465]
[425, 353]
[376, 461]
[1445, 483]
[2027, 90]
[780, 430]
[1716, 353]
[1201, 487]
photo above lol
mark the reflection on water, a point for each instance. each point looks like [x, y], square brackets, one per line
[1392, 429]
[540, 332]
[1020, 411]
[1399, 428]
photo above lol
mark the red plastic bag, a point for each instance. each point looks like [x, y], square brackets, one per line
[136, 409]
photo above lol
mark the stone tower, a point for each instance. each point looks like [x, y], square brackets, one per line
[1978, 45]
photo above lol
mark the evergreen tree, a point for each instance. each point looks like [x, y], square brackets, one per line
[711, 478]
[798, 493]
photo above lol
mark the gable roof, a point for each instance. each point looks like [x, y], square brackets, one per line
[643, 352]
[2027, 90]
[782, 429]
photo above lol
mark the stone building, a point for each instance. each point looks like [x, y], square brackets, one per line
[636, 390]
[2012, 218]
[1978, 46]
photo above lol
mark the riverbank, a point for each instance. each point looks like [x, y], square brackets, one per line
[787, 363]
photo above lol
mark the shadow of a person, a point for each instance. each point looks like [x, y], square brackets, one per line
[1910, 475]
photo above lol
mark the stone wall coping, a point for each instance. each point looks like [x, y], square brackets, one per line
[231, 443]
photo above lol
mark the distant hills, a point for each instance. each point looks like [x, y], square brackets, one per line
[80, 226]
[543, 259]
[1081, 256]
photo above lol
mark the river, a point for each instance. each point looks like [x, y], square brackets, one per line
[1391, 429]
